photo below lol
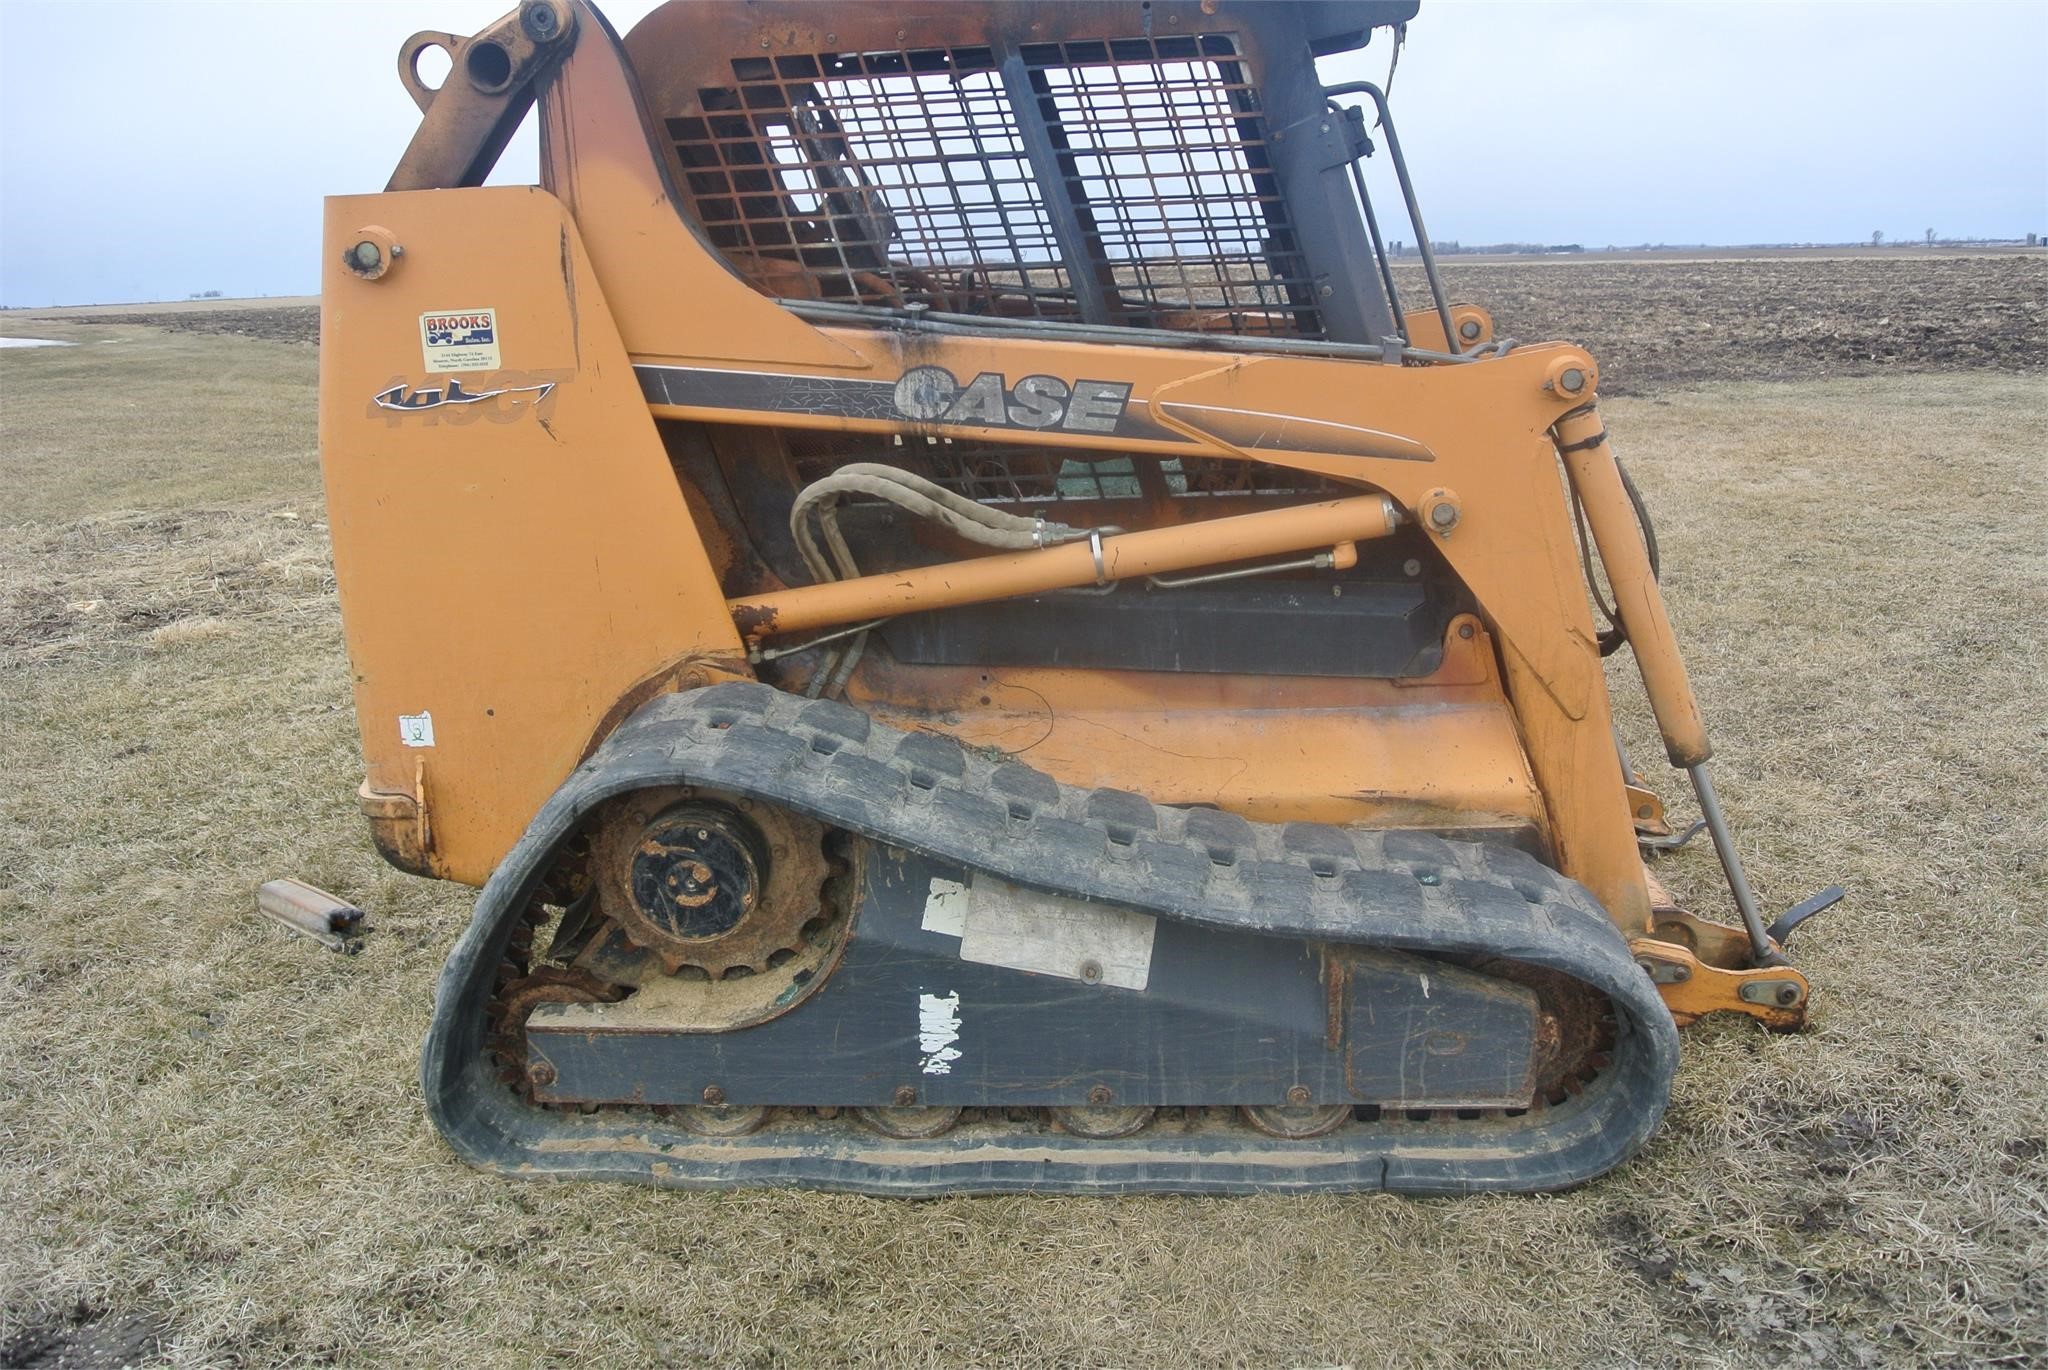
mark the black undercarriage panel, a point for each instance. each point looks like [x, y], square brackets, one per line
[1201, 1016]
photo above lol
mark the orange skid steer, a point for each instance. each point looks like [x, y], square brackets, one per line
[970, 640]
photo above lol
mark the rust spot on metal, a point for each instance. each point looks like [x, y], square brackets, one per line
[754, 620]
[1336, 983]
[686, 673]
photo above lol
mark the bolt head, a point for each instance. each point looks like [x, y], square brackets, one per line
[1571, 380]
[367, 255]
[713, 1095]
[540, 22]
[906, 1097]
[1100, 1095]
[1469, 329]
[1788, 995]
[1091, 972]
[1299, 1095]
[1465, 631]
[541, 1073]
[1443, 515]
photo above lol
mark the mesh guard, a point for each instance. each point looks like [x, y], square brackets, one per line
[911, 177]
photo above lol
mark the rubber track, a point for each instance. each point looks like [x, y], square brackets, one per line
[923, 792]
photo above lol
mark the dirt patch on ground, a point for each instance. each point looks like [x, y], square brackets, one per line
[85, 1338]
[1651, 324]
[1654, 324]
[298, 323]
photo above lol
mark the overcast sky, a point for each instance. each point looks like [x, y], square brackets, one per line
[148, 151]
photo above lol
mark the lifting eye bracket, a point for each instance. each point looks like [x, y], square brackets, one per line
[492, 81]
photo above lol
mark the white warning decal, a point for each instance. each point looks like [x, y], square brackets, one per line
[945, 908]
[416, 730]
[460, 340]
[938, 1028]
[1048, 934]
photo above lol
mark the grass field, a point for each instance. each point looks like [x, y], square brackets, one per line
[213, 1151]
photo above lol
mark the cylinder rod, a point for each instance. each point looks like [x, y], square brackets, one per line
[1096, 561]
[1731, 865]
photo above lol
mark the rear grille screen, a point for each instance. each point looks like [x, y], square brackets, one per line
[904, 177]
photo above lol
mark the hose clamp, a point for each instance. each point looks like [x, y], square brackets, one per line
[1038, 533]
[1095, 550]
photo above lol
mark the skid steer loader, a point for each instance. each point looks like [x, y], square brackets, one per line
[970, 640]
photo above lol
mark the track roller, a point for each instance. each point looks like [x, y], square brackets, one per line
[1297, 1123]
[910, 1124]
[1104, 1122]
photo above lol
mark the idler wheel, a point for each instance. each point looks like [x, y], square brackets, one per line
[1297, 1124]
[910, 1124]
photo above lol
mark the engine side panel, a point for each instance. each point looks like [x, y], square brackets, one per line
[512, 552]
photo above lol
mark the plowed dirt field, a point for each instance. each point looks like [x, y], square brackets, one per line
[1650, 323]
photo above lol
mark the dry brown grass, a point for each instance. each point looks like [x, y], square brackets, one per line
[211, 1133]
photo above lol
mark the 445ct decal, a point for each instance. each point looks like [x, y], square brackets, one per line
[932, 394]
[508, 396]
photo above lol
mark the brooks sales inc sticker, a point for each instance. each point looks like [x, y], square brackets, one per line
[460, 340]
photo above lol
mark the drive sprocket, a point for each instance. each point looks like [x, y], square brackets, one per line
[518, 997]
[709, 881]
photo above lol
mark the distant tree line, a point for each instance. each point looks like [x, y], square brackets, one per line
[1451, 247]
[1446, 247]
